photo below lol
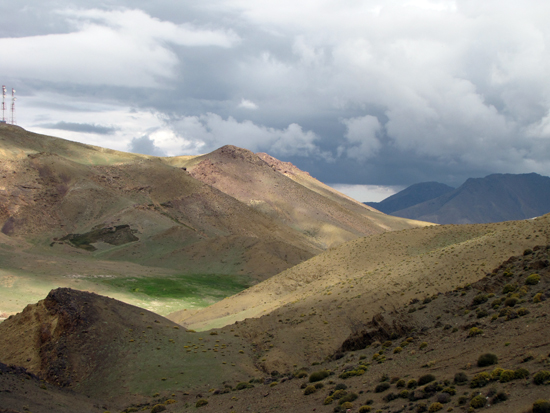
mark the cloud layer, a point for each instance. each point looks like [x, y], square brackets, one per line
[371, 92]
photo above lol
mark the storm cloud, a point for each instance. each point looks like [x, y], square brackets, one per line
[371, 93]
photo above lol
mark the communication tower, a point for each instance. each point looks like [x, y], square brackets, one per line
[3, 104]
[13, 99]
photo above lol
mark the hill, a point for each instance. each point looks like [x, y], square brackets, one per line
[497, 197]
[146, 231]
[412, 195]
[487, 338]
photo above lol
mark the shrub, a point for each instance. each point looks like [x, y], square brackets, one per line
[351, 373]
[310, 390]
[300, 374]
[522, 311]
[338, 394]
[462, 400]
[499, 397]
[319, 385]
[244, 385]
[411, 384]
[478, 402]
[443, 398]
[511, 315]
[509, 288]
[425, 379]
[347, 405]
[421, 407]
[348, 398]
[449, 390]
[533, 279]
[482, 313]
[527, 251]
[479, 299]
[382, 387]
[318, 375]
[400, 383]
[157, 408]
[495, 374]
[340, 386]
[461, 378]
[397, 350]
[487, 359]
[542, 377]
[537, 298]
[507, 375]
[386, 344]
[541, 406]
[435, 407]
[404, 394]
[201, 402]
[423, 345]
[510, 301]
[365, 409]
[475, 331]
[389, 397]
[521, 373]
[480, 380]
[328, 400]
[496, 303]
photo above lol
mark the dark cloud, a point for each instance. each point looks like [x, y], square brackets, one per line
[145, 146]
[81, 127]
[373, 92]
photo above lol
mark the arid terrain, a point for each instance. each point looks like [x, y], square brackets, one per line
[372, 313]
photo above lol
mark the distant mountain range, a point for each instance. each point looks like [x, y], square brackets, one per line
[495, 198]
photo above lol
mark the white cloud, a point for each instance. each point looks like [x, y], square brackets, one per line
[367, 193]
[248, 104]
[361, 137]
[121, 48]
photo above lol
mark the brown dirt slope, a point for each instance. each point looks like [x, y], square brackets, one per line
[104, 348]
[310, 307]
[295, 199]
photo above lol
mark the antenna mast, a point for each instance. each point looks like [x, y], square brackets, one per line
[3, 104]
[13, 99]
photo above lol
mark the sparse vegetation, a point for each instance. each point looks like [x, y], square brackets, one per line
[318, 375]
[542, 377]
[533, 279]
[382, 387]
[487, 359]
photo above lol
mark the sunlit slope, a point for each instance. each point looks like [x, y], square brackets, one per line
[322, 214]
[389, 267]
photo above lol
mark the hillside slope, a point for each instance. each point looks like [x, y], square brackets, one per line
[497, 197]
[312, 305]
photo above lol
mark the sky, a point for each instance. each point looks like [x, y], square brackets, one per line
[366, 95]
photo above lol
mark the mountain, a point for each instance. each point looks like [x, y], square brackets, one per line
[412, 195]
[137, 227]
[497, 197]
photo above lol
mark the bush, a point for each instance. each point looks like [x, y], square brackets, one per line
[443, 398]
[480, 380]
[499, 397]
[449, 390]
[475, 331]
[538, 298]
[411, 384]
[300, 374]
[386, 344]
[533, 279]
[318, 375]
[461, 378]
[397, 350]
[243, 385]
[479, 299]
[404, 394]
[522, 311]
[435, 407]
[351, 373]
[496, 303]
[201, 402]
[310, 390]
[365, 409]
[328, 400]
[338, 394]
[482, 313]
[389, 397]
[347, 405]
[161, 407]
[478, 402]
[487, 359]
[507, 375]
[510, 301]
[521, 373]
[382, 387]
[425, 379]
[542, 377]
[421, 407]
[350, 397]
[341, 386]
[319, 385]
[509, 288]
[541, 406]
[400, 383]
[423, 345]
